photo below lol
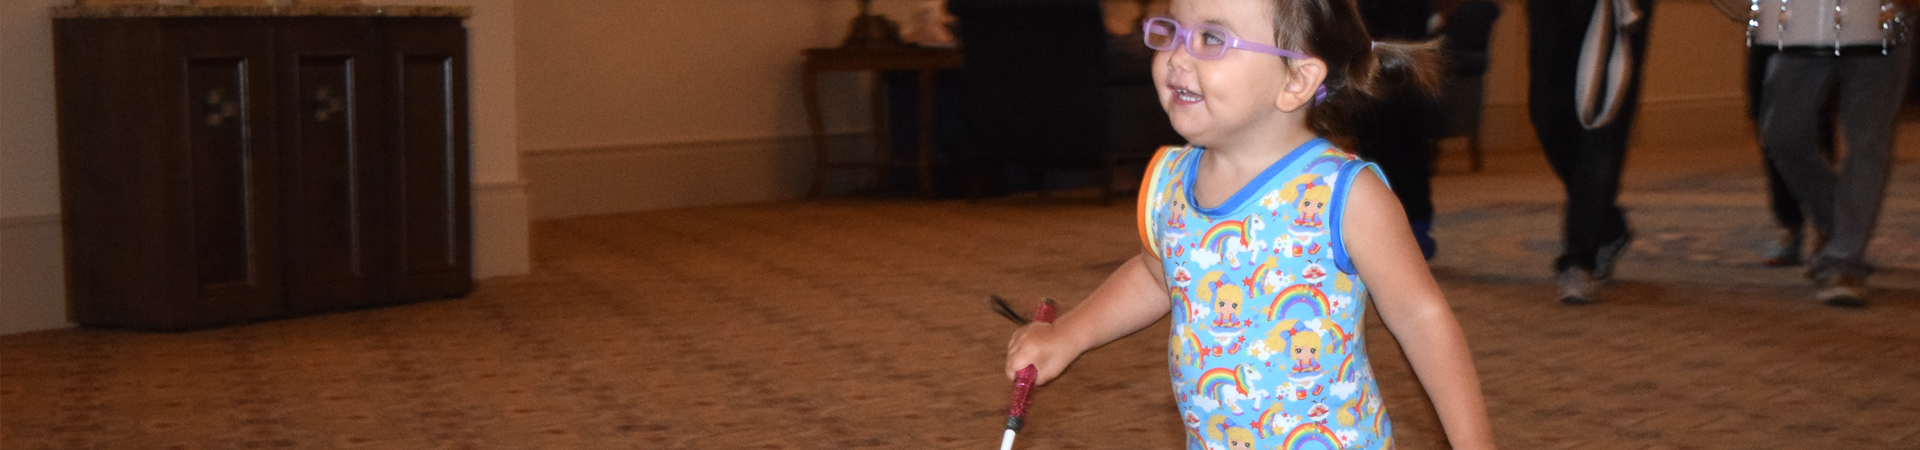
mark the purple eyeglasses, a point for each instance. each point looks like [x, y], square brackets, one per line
[1210, 42]
[1207, 42]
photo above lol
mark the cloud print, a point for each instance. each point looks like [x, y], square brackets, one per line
[1206, 403]
[1344, 389]
[1347, 436]
[1206, 258]
[1339, 301]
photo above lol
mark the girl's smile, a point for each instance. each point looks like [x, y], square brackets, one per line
[1185, 96]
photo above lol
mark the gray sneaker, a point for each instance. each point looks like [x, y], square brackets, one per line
[1785, 250]
[1577, 286]
[1609, 254]
[1842, 291]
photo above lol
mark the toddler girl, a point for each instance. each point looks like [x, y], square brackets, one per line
[1267, 243]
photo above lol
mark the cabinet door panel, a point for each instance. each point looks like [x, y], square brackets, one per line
[329, 177]
[332, 177]
[427, 150]
[226, 172]
[222, 164]
[431, 136]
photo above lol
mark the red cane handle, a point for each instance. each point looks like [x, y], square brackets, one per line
[1023, 382]
[1046, 312]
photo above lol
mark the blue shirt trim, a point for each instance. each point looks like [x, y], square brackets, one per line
[1348, 173]
[1246, 193]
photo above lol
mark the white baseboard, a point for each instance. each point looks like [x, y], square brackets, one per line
[500, 243]
[607, 180]
[33, 290]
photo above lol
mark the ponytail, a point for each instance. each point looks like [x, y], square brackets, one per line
[1412, 65]
[1359, 70]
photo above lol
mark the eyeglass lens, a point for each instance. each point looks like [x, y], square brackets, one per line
[1205, 42]
[1160, 34]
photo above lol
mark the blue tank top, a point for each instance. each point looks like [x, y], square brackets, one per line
[1266, 349]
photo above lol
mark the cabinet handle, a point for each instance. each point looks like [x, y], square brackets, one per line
[326, 103]
[219, 108]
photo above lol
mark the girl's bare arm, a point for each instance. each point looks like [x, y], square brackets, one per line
[1133, 297]
[1377, 238]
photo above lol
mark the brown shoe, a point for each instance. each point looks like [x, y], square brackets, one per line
[1842, 291]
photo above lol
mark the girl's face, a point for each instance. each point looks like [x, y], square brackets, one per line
[1215, 101]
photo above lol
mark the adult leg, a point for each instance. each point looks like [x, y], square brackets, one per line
[1785, 250]
[1869, 93]
[1603, 225]
[1588, 161]
[1796, 87]
[1554, 32]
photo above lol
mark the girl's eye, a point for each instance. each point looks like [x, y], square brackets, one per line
[1212, 38]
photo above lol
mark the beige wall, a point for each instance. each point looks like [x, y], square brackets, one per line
[632, 105]
[1694, 91]
[32, 292]
[32, 289]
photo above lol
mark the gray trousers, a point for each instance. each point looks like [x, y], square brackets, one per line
[1845, 202]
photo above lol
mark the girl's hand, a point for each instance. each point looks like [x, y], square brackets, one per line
[1043, 346]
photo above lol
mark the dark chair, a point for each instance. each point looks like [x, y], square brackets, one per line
[1467, 37]
[1041, 93]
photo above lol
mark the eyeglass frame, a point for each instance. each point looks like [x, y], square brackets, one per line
[1183, 38]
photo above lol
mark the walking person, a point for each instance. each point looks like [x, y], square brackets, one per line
[1583, 93]
[1847, 52]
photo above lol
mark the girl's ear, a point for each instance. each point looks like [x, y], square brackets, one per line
[1303, 86]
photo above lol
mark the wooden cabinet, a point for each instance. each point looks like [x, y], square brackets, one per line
[217, 170]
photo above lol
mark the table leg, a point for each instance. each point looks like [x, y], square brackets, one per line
[927, 92]
[810, 87]
[882, 136]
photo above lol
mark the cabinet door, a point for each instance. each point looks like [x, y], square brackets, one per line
[229, 167]
[327, 86]
[429, 119]
[167, 176]
[226, 171]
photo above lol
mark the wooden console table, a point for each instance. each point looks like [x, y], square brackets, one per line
[927, 61]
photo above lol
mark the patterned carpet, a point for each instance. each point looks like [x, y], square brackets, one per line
[858, 323]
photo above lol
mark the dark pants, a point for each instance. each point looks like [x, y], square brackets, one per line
[1587, 161]
[1396, 133]
[1843, 202]
[1786, 209]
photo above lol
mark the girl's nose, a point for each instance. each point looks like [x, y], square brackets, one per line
[1178, 60]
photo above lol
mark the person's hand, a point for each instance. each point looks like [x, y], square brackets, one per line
[1043, 346]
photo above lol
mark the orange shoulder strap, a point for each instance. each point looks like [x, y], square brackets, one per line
[1151, 185]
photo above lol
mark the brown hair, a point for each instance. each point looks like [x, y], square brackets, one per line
[1359, 70]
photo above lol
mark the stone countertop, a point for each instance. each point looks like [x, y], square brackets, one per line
[114, 11]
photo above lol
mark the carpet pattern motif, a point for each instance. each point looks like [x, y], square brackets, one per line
[859, 324]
